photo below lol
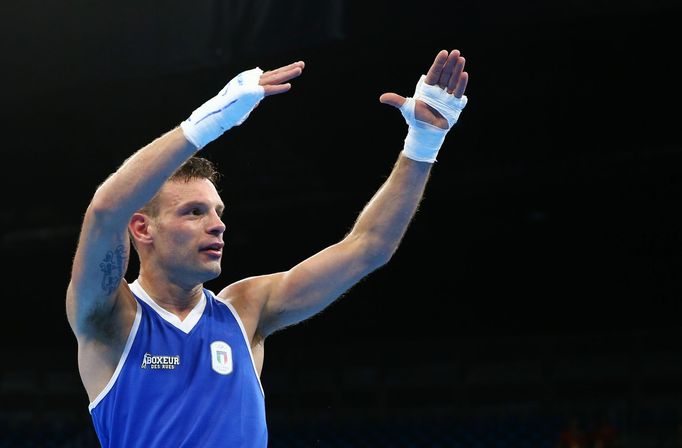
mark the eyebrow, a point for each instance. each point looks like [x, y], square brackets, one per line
[220, 207]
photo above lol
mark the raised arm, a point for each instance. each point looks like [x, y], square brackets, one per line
[101, 258]
[310, 286]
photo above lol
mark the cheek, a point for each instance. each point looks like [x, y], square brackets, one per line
[182, 236]
[174, 236]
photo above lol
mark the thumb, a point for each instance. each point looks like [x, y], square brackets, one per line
[392, 99]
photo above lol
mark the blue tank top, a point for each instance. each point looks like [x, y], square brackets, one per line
[190, 383]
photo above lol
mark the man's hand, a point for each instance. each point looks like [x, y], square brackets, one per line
[446, 72]
[435, 107]
[233, 104]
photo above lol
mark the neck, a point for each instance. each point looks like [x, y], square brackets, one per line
[175, 298]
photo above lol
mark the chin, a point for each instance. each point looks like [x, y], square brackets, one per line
[215, 272]
[208, 273]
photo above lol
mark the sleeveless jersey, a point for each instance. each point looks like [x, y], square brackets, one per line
[189, 384]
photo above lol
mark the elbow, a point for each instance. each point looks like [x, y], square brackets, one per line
[100, 215]
[105, 209]
[372, 250]
[379, 252]
[101, 204]
[98, 208]
[99, 212]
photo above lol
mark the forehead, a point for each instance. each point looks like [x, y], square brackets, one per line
[178, 192]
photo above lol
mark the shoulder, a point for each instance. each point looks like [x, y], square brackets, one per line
[248, 297]
[251, 290]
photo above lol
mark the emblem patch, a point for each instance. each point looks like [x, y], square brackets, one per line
[221, 357]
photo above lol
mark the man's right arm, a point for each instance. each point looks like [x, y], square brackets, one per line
[103, 251]
[99, 306]
[103, 247]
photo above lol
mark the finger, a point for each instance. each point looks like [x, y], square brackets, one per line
[276, 89]
[433, 75]
[461, 85]
[448, 68]
[300, 64]
[392, 99]
[280, 76]
[456, 73]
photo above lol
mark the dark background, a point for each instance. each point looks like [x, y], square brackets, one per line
[549, 235]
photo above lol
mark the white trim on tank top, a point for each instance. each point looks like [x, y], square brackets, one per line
[246, 339]
[185, 325]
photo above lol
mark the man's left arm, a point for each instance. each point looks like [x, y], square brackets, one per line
[286, 298]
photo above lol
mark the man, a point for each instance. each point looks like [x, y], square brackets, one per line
[166, 362]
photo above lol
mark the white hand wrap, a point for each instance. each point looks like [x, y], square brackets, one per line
[424, 140]
[230, 107]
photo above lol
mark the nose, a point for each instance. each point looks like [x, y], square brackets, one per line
[217, 226]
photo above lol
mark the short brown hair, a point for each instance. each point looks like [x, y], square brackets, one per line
[194, 168]
[197, 168]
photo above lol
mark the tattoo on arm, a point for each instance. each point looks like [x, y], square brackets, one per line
[112, 269]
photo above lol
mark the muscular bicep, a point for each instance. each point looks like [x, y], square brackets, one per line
[315, 283]
[97, 272]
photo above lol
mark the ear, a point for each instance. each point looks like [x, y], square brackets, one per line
[139, 228]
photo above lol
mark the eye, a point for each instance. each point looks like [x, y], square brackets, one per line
[196, 211]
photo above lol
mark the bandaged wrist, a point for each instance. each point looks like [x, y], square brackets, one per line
[424, 140]
[229, 108]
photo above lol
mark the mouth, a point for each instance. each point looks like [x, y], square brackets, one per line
[215, 249]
